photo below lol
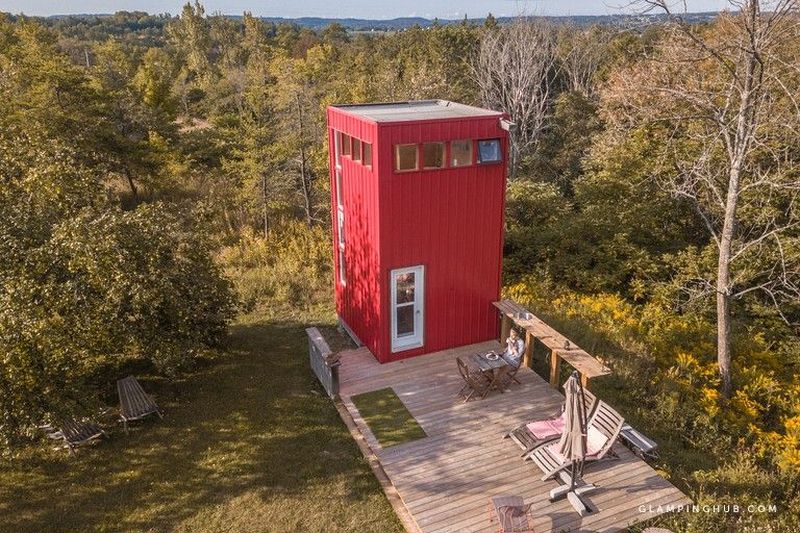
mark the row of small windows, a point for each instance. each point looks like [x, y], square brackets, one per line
[355, 149]
[407, 156]
[434, 155]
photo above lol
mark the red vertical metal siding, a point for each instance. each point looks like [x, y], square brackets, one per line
[449, 220]
[358, 301]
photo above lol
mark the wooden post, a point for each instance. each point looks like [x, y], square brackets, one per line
[585, 382]
[505, 330]
[555, 369]
[528, 349]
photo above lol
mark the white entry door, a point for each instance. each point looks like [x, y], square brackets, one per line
[408, 313]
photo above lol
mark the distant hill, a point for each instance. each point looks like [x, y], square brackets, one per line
[356, 24]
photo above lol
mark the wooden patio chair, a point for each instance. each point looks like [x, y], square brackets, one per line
[509, 374]
[74, 432]
[134, 403]
[475, 381]
[511, 513]
[601, 432]
[530, 434]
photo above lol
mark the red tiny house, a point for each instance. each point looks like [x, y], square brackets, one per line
[418, 233]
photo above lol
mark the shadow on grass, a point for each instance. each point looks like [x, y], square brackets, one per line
[255, 422]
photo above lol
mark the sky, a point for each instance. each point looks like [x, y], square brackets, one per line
[371, 9]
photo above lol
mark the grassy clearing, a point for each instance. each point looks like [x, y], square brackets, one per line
[387, 417]
[248, 443]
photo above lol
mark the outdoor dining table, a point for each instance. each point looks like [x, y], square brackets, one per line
[495, 367]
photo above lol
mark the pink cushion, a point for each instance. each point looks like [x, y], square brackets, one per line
[545, 428]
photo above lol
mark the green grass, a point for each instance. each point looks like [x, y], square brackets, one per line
[387, 417]
[248, 443]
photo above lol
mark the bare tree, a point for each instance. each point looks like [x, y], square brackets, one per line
[582, 52]
[306, 174]
[515, 70]
[723, 99]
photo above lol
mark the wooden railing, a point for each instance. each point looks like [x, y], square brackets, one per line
[561, 348]
[324, 362]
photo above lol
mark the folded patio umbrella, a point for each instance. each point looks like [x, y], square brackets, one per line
[573, 440]
[572, 446]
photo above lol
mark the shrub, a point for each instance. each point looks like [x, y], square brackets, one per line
[742, 451]
[287, 271]
[677, 352]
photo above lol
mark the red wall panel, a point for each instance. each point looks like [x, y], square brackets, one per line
[357, 302]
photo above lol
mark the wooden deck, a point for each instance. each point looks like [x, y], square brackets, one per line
[446, 479]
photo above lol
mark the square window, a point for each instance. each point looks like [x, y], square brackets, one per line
[460, 153]
[345, 144]
[433, 155]
[405, 320]
[368, 154]
[489, 151]
[406, 157]
[356, 149]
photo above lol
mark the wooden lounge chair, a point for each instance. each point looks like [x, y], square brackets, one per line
[475, 381]
[529, 435]
[74, 432]
[601, 433]
[134, 403]
[511, 514]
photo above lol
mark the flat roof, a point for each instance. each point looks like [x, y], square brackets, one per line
[416, 110]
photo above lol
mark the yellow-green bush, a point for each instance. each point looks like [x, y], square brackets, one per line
[677, 352]
[745, 450]
[288, 270]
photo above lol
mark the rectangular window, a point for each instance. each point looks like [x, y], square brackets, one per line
[489, 151]
[341, 240]
[406, 157]
[356, 149]
[460, 153]
[342, 273]
[340, 226]
[433, 155]
[368, 154]
[337, 142]
[345, 144]
[339, 198]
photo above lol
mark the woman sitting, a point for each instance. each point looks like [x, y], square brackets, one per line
[515, 348]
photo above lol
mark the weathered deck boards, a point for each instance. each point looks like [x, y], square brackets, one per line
[446, 479]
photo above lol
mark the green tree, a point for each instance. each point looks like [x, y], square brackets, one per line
[85, 286]
[723, 102]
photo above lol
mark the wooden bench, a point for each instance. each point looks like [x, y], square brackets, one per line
[75, 432]
[324, 362]
[134, 403]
